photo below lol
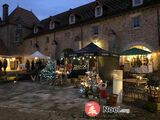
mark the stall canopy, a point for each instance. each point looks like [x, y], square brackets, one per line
[37, 54]
[135, 51]
[90, 49]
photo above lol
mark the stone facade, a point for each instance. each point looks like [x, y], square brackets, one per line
[14, 27]
[8, 35]
[116, 30]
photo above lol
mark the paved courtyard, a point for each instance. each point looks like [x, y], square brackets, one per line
[34, 101]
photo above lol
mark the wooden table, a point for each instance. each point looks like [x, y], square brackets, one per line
[135, 81]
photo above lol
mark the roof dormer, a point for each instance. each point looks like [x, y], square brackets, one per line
[35, 29]
[72, 19]
[136, 3]
[98, 11]
[73, 16]
[51, 24]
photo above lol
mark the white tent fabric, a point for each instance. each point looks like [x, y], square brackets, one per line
[37, 54]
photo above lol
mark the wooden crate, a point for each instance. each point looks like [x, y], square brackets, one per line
[112, 100]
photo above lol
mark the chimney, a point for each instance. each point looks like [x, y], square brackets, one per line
[5, 11]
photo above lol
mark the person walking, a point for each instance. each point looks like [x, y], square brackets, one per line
[5, 64]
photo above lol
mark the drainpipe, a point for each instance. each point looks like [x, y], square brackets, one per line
[158, 28]
[55, 45]
[81, 35]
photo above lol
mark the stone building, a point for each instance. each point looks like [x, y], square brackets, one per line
[14, 27]
[115, 25]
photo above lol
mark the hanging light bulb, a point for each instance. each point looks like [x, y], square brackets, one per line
[83, 58]
[90, 57]
[74, 58]
[94, 57]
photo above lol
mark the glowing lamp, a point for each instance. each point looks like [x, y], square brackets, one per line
[149, 56]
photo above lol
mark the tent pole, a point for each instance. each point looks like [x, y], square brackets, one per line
[97, 65]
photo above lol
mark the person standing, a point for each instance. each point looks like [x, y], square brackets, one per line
[32, 65]
[5, 64]
[27, 65]
[1, 65]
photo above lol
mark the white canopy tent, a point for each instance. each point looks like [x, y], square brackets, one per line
[39, 55]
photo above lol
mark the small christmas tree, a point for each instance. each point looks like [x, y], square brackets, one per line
[48, 73]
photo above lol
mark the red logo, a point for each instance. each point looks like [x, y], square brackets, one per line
[92, 108]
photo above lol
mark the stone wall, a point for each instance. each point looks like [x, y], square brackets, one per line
[115, 31]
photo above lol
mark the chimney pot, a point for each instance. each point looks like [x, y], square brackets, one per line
[5, 11]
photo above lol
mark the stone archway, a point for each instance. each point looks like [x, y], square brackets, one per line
[139, 44]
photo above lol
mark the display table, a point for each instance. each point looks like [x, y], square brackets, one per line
[135, 81]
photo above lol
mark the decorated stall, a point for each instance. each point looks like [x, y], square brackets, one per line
[136, 60]
[96, 65]
[95, 59]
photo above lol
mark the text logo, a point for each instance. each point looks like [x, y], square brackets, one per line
[92, 108]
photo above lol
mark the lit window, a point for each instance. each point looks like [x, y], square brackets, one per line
[51, 25]
[136, 21]
[35, 29]
[98, 11]
[137, 2]
[72, 19]
[95, 30]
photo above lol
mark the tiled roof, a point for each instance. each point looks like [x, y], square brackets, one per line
[87, 13]
[3, 49]
[25, 17]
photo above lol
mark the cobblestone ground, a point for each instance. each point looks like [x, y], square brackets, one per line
[33, 101]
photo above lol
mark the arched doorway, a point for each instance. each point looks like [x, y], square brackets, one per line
[138, 59]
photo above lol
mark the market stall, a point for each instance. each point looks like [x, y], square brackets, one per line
[13, 62]
[37, 55]
[136, 60]
[94, 59]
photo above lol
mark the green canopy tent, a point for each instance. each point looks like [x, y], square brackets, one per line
[135, 51]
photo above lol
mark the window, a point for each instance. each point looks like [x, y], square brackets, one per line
[72, 19]
[95, 30]
[46, 49]
[98, 11]
[17, 38]
[35, 29]
[18, 33]
[137, 2]
[51, 25]
[47, 39]
[136, 21]
[31, 42]
[67, 35]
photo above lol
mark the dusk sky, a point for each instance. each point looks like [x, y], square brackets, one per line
[44, 8]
